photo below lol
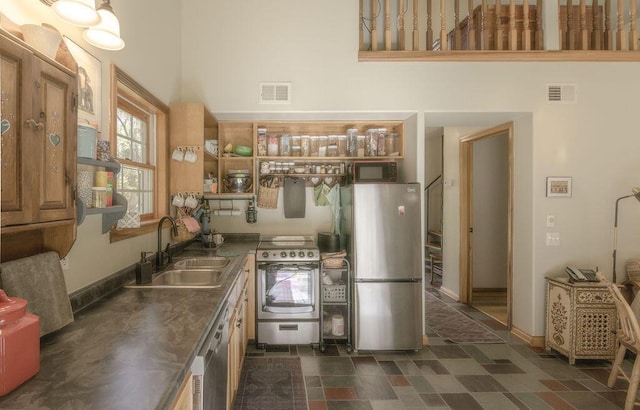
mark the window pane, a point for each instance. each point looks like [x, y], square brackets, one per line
[124, 122]
[138, 129]
[136, 184]
[124, 148]
[138, 152]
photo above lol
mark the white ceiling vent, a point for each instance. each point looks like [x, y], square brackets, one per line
[275, 93]
[561, 93]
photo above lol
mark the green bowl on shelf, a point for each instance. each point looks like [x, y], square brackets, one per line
[243, 151]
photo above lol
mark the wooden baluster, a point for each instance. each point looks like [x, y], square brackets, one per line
[620, 38]
[387, 25]
[584, 35]
[443, 25]
[401, 32]
[513, 31]
[499, 32]
[633, 32]
[374, 25]
[484, 29]
[526, 30]
[415, 40]
[457, 33]
[539, 29]
[596, 33]
[571, 33]
[471, 27]
[361, 27]
[429, 27]
[608, 37]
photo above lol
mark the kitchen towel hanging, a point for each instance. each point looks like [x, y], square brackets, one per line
[40, 281]
[294, 197]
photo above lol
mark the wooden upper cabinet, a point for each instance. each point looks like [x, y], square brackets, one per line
[15, 64]
[38, 160]
[55, 143]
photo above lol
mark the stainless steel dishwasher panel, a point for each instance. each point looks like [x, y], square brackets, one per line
[210, 367]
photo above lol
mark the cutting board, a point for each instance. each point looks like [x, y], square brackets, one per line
[294, 197]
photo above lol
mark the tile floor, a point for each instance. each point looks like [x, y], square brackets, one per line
[450, 376]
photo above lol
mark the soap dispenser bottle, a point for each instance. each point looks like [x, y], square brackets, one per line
[144, 270]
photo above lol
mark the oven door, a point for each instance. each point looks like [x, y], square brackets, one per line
[288, 291]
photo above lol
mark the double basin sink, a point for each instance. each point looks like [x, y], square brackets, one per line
[205, 272]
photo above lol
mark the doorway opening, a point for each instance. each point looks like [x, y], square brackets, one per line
[486, 221]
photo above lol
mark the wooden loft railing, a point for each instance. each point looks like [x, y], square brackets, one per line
[495, 30]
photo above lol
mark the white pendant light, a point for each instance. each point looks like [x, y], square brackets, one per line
[106, 34]
[77, 12]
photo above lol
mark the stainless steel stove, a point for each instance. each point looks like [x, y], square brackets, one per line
[288, 290]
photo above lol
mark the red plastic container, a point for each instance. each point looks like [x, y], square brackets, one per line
[19, 343]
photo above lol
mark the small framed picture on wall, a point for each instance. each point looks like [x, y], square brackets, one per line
[89, 84]
[558, 186]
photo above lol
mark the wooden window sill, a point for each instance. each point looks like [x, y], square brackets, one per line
[116, 235]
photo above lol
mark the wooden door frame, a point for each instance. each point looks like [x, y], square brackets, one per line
[466, 212]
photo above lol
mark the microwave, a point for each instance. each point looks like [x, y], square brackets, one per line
[375, 172]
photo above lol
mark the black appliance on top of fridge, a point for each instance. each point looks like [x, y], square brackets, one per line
[381, 230]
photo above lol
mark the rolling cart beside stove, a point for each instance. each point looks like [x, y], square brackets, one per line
[336, 301]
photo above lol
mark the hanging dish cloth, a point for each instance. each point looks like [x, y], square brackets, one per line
[320, 194]
[333, 197]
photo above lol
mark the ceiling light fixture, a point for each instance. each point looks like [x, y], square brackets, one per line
[106, 34]
[77, 12]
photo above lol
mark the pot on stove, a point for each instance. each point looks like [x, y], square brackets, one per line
[328, 242]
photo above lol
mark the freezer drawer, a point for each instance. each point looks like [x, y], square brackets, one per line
[289, 333]
[388, 315]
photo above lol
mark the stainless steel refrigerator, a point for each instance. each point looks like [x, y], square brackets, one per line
[381, 230]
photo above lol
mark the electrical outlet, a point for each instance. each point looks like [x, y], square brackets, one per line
[551, 221]
[65, 263]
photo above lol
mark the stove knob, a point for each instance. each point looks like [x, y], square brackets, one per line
[301, 254]
[292, 254]
[283, 254]
[265, 254]
[310, 254]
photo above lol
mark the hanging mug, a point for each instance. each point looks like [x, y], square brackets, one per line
[178, 154]
[191, 201]
[190, 155]
[178, 200]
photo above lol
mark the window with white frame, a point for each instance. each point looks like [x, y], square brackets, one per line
[135, 150]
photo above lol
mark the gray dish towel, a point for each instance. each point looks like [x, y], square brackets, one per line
[39, 280]
[294, 197]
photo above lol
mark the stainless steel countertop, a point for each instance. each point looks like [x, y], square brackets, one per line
[130, 350]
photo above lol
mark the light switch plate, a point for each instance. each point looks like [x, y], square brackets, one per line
[553, 238]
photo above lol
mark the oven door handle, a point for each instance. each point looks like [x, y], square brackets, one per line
[286, 267]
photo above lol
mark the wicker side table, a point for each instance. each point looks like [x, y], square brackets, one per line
[580, 320]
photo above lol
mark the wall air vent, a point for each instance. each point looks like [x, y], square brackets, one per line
[561, 93]
[275, 93]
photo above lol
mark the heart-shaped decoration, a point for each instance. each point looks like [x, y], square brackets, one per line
[4, 126]
[54, 139]
[315, 180]
[328, 180]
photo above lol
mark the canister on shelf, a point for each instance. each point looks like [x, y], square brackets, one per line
[285, 145]
[304, 146]
[352, 142]
[272, 146]
[99, 196]
[361, 146]
[262, 142]
[323, 141]
[391, 144]
[314, 145]
[371, 143]
[380, 142]
[342, 145]
[101, 179]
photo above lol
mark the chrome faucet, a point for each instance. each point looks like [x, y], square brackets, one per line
[160, 252]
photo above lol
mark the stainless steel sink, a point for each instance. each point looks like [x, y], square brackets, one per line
[186, 278]
[214, 262]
